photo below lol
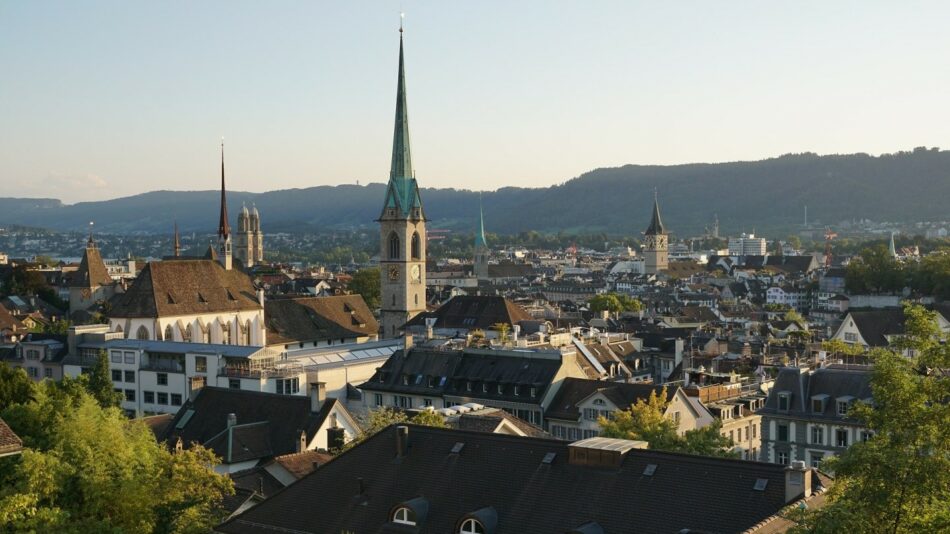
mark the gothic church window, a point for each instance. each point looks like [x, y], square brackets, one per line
[169, 333]
[142, 333]
[393, 246]
[416, 246]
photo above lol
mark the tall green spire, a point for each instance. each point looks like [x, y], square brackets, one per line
[402, 193]
[480, 240]
[402, 157]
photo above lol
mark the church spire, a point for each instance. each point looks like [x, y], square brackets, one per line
[480, 240]
[224, 229]
[402, 194]
[656, 224]
[402, 158]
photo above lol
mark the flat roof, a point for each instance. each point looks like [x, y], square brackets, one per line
[175, 347]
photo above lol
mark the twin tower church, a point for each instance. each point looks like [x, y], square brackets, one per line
[402, 225]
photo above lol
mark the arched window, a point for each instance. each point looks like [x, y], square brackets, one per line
[471, 526]
[393, 246]
[416, 246]
[247, 332]
[206, 334]
[404, 516]
[226, 333]
[186, 334]
[141, 333]
[118, 328]
[169, 333]
[417, 299]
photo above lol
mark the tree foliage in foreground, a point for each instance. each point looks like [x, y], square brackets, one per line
[365, 283]
[898, 481]
[646, 421]
[385, 416]
[89, 469]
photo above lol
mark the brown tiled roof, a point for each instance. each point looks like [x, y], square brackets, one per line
[10, 443]
[8, 321]
[185, 287]
[318, 318]
[92, 271]
[301, 464]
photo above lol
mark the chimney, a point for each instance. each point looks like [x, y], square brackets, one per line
[402, 440]
[302, 442]
[232, 420]
[515, 332]
[678, 354]
[797, 482]
[260, 297]
[604, 314]
[318, 394]
[407, 341]
[430, 325]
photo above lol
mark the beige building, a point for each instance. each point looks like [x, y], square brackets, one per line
[735, 407]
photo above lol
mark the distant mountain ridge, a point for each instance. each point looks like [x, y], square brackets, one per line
[765, 195]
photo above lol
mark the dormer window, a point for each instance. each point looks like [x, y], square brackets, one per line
[517, 390]
[599, 402]
[818, 403]
[784, 400]
[471, 526]
[501, 389]
[534, 392]
[844, 403]
[404, 516]
[484, 387]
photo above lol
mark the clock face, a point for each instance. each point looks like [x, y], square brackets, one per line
[416, 272]
[394, 272]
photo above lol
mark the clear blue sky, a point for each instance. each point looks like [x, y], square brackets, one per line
[100, 99]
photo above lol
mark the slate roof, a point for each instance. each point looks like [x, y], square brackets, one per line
[804, 385]
[318, 319]
[575, 390]
[267, 424]
[10, 443]
[488, 420]
[185, 287]
[876, 325]
[505, 477]
[451, 372]
[92, 271]
[474, 311]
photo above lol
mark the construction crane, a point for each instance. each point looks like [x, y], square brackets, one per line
[829, 236]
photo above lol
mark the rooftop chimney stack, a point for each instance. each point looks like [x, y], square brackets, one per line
[318, 395]
[302, 442]
[402, 441]
[797, 482]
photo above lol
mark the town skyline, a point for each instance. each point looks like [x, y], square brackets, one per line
[312, 113]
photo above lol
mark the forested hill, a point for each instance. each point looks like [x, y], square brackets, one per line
[763, 195]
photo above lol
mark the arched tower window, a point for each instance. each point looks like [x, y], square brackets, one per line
[393, 246]
[141, 333]
[416, 246]
[169, 333]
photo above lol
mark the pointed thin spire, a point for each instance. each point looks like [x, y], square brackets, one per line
[656, 223]
[402, 159]
[224, 229]
[177, 241]
[480, 240]
[91, 243]
[892, 248]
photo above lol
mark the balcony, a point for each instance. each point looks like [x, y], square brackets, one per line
[261, 372]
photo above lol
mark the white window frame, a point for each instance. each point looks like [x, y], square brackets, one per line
[471, 526]
[403, 516]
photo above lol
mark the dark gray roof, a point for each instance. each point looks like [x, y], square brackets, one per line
[803, 385]
[267, 424]
[574, 390]
[876, 325]
[506, 479]
[318, 319]
[468, 312]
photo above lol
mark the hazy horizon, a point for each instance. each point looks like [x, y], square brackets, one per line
[105, 100]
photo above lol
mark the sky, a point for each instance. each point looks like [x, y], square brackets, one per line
[104, 99]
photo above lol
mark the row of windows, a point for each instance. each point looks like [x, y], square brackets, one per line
[34, 372]
[749, 434]
[405, 516]
[571, 433]
[152, 397]
[187, 335]
[817, 436]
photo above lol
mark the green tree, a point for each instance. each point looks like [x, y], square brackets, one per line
[385, 416]
[614, 303]
[15, 386]
[646, 421]
[100, 383]
[89, 469]
[897, 481]
[365, 283]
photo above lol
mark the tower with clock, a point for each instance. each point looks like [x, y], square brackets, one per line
[655, 243]
[402, 229]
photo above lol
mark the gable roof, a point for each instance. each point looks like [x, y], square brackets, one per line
[268, 424]
[803, 385]
[489, 419]
[474, 311]
[318, 318]
[185, 287]
[10, 443]
[92, 271]
[575, 390]
[876, 325]
[506, 476]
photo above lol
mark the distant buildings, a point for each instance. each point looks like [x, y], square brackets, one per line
[747, 245]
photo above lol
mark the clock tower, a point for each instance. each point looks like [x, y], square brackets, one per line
[402, 229]
[655, 243]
